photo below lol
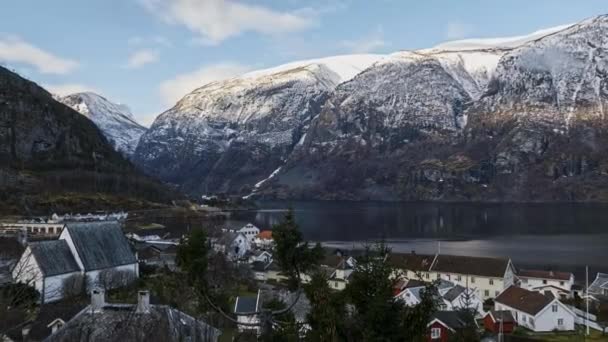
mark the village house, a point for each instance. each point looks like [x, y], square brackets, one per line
[264, 239]
[50, 229]
[559, 284]
[245, 307]
[250, 231]
[258, 255]
[461, 298]
[234, 244]
[98, 253]
[499, 322]
[48, 266]
[444, 325]
[102, 321]
[487, 276]
[158, 254]
[340, 268]
[535, 311]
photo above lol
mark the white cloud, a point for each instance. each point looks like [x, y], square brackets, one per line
[16, 50]
[174, 89]
[369, 43]
[142, 57]
[151, 40]
[217, 20]
[458, 30]
[65, 89]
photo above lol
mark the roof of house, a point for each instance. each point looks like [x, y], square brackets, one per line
[119, 322]
[454, 292]
[54, 257]
[265, 234]
[599, 284]
[504, 315]
[259, 266]
[480, 266]
[48, 313]
[544, 274]
[414, 283]
[411, 261]
[530, 302]
[100, 244]
[245, 304]
[452, 319]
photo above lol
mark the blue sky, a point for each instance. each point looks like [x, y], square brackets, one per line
[149, 53]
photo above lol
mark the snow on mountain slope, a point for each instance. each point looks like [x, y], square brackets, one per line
[115, 120]
[500, 43]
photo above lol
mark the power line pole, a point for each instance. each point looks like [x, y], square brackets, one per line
[587, 297]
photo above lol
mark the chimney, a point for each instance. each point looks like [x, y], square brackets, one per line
[25, 333]
[98, 300]
[143, 302]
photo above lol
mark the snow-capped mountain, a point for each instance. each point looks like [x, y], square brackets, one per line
[115, 120]
[244, 127]
[518, 118]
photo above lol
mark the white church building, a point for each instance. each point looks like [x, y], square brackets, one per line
[96, 253]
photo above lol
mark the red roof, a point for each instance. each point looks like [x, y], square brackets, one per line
[523, 300]
[544, 274]
[265, 234]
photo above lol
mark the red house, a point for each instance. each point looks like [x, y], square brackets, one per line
[491, 321]
[445, 324]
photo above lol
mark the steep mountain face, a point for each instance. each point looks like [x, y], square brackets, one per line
[114, 120]
[47, 150]
[509, 119]
[535, 129]
[227, 136]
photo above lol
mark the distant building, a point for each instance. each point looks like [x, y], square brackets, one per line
[250, 231]
[488, 276]
[264, 239]
[98, 253]
[245, 307]
[101, 321]
[33, 228]
[559, 284]
[263, 256]
[234, 244]
[535, 311]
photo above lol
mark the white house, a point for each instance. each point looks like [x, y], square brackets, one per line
[234, 244]
[459, 297]
[245, 308]
[488, 276]
[250, 231]
[264, 239]
[559, 284]
[97, 252]
[48, 266]
[535, 311]
[262, 256]
[411, 296]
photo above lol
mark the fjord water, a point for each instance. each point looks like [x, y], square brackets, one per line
[560, 235]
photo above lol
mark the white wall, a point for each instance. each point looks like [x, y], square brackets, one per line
[250, 231]
[546, 320]
[529, 283]
[53, 286]
[93, 276]
[493, 285]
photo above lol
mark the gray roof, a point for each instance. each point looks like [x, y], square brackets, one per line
[453, 293]
[245, 304]
[119, 322]
[453, 319]
[101, 245]
[54, 257]
[599, 284]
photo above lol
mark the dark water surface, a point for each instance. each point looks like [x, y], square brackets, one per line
[565, 236]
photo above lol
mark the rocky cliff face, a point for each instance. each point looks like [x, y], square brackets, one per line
[228, 136]
[47, 150]
[519, 119]
[115, 121]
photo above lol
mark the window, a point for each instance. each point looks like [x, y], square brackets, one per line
[560, 322]
[427, 276]
[531, 322]
[438, 275]
[545, 281]
[525, 318]
[554, 308]
[491, 281]
[473, 280]
[561, 283]
[458, 278]
[486, 293]
[435, 332]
